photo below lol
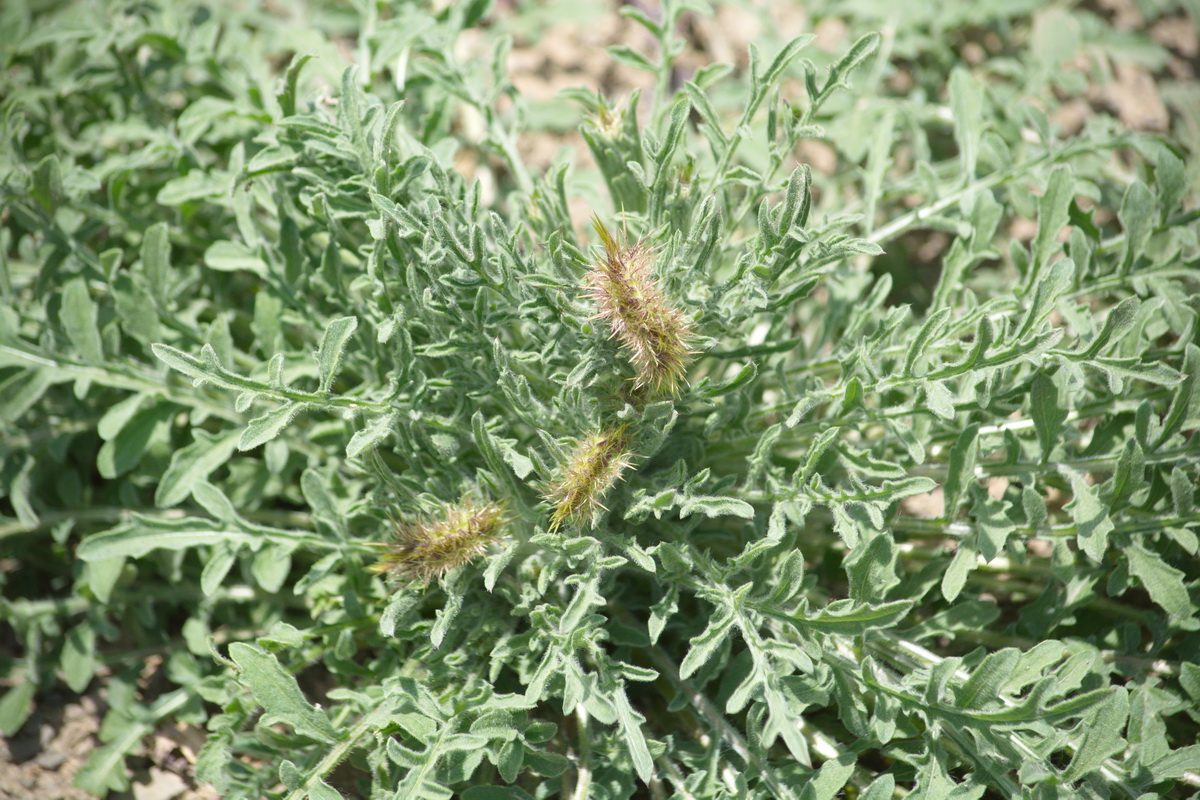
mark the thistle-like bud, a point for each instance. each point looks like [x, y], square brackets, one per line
[431, 547]
[592, 469]
[655, 334]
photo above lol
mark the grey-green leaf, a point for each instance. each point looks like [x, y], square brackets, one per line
[1052, 215]
[1165, 585]
[1048, 415]
[704, 645]
[966, 102]
[1092, 523]
[156, 260]
[1101, 736]
[141, 536]
[265, 428]
[78, 315]
[192, 464]
[375, 431]
[333, 343]
[277, 692]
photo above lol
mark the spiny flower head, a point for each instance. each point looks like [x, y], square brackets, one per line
[593, 467]
[656, 335]
[608, 121]
[432, 546]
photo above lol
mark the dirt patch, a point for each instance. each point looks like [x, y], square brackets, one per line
[41, 760]
[1133, 96]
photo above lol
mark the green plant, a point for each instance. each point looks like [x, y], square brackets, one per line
[774, 513]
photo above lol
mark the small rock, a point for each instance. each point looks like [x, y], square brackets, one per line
[162, 786]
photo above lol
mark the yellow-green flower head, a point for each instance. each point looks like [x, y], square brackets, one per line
[593, 467]
[431, 547]
[656, 335]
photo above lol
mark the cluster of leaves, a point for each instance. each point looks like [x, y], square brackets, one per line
[247, 328]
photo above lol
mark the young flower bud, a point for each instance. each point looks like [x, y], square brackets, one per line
[591, 470]
[655, 334]
[429, 548]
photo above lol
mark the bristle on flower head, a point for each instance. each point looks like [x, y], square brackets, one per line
[593, 467]
[656, 335]
[431, 547]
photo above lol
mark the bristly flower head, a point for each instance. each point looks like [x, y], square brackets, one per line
[431, 547]
[656, 335]
[592, 469]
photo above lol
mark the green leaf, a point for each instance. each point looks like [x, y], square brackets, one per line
[1048, 416]
[156, 261]
[1051, 284]
[207, 368]
[261, 430]
[192, 464]
[277, 692]
[882, 788]
[78, 660]
[703, 646]
[1092, 523]
[890, 492]
[1118, 322]
[1053, 214]
[1135, 369]
[955, 578]
[227, 256]
[22, 391]
[16, 706]
[632, 58]
[216, 503]
[1165, 585]
[287, 97]
[747, 373]
[1138, 214]
[271, 159]
[966, 104]
[848, 619]
[1185, 397]
[1173, 765]
[125, 449]
[939, 399]
[1101, 736]
[1182, 492]
[983, 687]
[930, 330]
[992, 522]
[143, 535]
[333, 343]
[105, 768]
[715, 507]
[785, 57]
[323, 791]
[195, 185]
[216, 568]
[704, 107]
[860, 51]
[961, 472]
[496, 793]
[1129, 476]
[830, 779]
[630, 723]
[374, 432]
[642, 18]
[272, 565]
[816, 449]
[78, 316]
